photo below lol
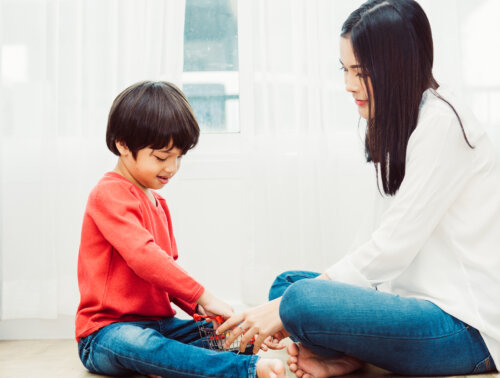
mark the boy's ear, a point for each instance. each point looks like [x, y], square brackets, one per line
[122, 148]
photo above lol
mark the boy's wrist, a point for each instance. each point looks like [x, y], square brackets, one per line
[204, 298]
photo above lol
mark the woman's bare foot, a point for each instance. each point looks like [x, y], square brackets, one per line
[305, 363]
[270, 368]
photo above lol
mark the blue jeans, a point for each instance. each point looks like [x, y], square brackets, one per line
[169, 348]
[407, 336]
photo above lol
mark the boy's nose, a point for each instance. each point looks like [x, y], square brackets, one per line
[171, 168]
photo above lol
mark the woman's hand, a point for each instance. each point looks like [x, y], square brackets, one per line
[259, 322]
[273, 341]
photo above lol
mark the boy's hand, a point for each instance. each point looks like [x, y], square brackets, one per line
[210, 305]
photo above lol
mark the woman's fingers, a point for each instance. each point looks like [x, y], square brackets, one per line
[275, 345]
[271, 343]
[258, 341]
[234, 334]
[230, 323]
[258, 323]
[247, 336]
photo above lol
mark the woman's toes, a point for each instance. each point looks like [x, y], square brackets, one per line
[293, 349]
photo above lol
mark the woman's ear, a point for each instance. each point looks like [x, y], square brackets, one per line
[122, 148]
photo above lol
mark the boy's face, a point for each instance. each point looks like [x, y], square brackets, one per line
[151, 169]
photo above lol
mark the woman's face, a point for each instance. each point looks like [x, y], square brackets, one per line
[354, 78]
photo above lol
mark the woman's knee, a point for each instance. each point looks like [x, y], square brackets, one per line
[285, 279]
[297, 304]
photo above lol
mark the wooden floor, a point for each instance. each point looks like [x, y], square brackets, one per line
[59, 358]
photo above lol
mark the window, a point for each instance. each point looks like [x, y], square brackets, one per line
[211, 63]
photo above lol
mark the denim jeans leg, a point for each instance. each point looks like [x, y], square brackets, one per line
[285, 279]
[407, 336]
[128, 347]
[185, 331]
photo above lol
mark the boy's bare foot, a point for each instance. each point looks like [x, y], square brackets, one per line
[305, 363]
[270, 368]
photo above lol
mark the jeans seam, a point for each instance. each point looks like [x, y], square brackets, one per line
[252, 371]
[87, 349]
[304, 276]
[150, 363]
[387, 337]
[480, 364]
[91, 363]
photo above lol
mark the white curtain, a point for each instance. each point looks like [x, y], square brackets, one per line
[297, 194]
[311, 192]
[466, 35]
[62, 64]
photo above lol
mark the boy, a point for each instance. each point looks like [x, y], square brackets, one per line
[126, 266]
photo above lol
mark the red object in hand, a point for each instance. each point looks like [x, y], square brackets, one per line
[217, 318]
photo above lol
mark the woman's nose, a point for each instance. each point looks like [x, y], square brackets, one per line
[351, 84]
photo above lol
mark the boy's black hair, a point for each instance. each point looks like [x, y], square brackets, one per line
[152, 114]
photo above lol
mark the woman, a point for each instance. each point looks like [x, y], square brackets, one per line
[436, 249]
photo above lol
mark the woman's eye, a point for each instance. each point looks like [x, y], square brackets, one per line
[343, 69]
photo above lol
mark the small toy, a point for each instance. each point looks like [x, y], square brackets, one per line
[215, 342]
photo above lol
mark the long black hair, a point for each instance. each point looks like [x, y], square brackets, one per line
[392, 42]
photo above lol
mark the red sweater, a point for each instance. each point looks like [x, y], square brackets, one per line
[126, 263]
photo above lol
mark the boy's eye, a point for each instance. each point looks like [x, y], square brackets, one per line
[159, 158]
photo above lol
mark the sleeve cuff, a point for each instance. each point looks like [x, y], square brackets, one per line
[345, 272]
[189, 307]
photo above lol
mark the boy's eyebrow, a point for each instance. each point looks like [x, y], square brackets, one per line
[158, 151]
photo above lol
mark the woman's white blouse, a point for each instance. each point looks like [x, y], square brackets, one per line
[440, 238]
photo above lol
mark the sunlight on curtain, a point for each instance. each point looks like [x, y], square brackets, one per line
[312, 193]
[62, 64]
[465, 42]
[296, 193]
